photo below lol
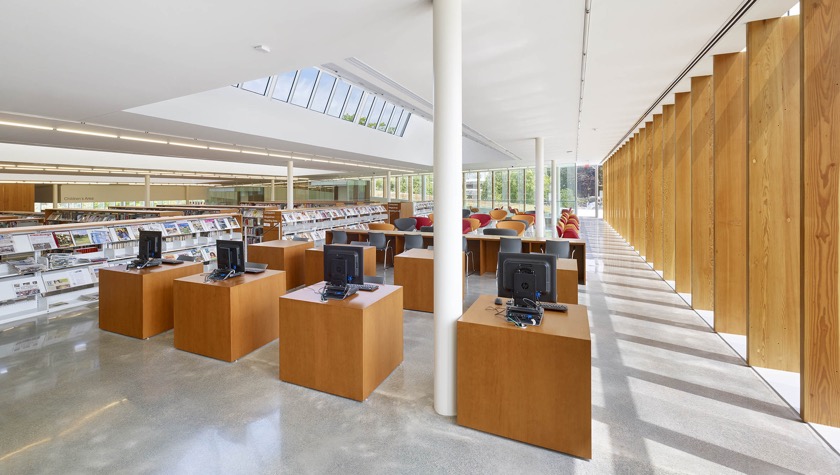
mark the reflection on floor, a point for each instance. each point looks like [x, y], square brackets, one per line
[668, 396]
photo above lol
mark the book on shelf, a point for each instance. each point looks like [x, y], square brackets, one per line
[63, 238]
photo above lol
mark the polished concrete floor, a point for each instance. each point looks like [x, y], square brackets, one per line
[668, 396]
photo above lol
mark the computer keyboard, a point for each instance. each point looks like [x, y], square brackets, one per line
[172, 262]
[554, 307]
[365, 287]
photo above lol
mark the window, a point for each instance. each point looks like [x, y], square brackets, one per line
[500, 189]
[322, 93]
[258, 86]
[352, 105]
[416, 188]
[403, 122]
[378, 188]
[392, 187]
[430, 187]
[529, 189]
[470, 189]
[283, 86]
[395, 119]
[303, 87]
[485, 191]
[338, 97]
[517, 189]
[375, 112]
[386, 117]
[365, 110]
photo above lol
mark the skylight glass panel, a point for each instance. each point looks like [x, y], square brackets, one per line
[258, 86]
[386, 116]
[338, 97]
[403, 122]
[322, 93]
[352, 105]
[303, 87]
[395, 119]
[375, 112]
[365, 110]
[283, 86]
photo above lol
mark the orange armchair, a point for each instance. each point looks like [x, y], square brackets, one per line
[381, 227]
[517, 226]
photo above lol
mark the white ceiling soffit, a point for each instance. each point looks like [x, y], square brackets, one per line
[636, 49]
[122, 180]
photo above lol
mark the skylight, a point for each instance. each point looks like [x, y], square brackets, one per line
[321, 92]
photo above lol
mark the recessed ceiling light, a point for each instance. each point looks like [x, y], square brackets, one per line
[86, 132]
[142, 139]
[179, 144]
[28, 126]
[255, 152]
[220, 149]
[262, 49]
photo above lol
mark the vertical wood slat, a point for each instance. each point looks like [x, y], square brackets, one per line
[820, 75]
[682, 191]
[656, 156]
[702, 193]
[650, 212]
[773, 133]
[641, 211]
[730, 193]
[668, 198]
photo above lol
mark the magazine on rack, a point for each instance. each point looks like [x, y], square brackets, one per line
[7, 244]
[42, 241]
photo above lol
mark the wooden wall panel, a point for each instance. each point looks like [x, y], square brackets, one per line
[17, 197]
[820, 401]
[668, 200]
[702, 193]
[656, 156]
[773, 133]
[650, 215]
[682, 191]
[730, 193]
[641, 210]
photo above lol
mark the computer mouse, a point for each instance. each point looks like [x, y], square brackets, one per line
[499, 301]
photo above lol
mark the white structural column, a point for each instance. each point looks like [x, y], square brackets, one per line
[387, 186]
[55, 195]
[539, 185]
[290, 182]
[148, 193]
[448, 124]
[555, 178]
[272, 190]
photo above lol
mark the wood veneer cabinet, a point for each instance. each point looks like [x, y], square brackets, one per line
[282, 255]
[138, 302]
[414, 270]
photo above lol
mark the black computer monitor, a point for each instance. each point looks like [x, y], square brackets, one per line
[344, 264]
[527, 276]
[150, 244]
[230, 256]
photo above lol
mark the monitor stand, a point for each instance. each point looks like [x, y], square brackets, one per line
[141, 264]
[337, 292]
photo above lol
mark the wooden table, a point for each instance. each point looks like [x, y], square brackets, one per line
[533, 384]
[287, 256]
[567, 281]
[485, 248]
[228, 319]
[414, 270]
[342, 347]
[138, 302]
[314, 269]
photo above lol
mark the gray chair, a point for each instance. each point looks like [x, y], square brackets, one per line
[499, 232]
[413, 241]
[405, 224]
[558, 248]
[427, 229]
[381, 243]
[374, 279]
[510, 244]
[470, 256]
[465, 213]
[359, 243]
[339, 237]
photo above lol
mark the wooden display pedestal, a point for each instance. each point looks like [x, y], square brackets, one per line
[342, 347]
[314, 272]
[567, 281]
[529, 384]
[138, 302]
[282, 255]
[414, 270]
[228, 319]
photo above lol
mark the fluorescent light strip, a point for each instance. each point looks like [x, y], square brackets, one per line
[254, 152]
[220, 149]
[86, 132]
[278, 155]
[190, 145]
[28, 126]
[142, 139]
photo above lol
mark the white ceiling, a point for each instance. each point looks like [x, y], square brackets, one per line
[92, 61]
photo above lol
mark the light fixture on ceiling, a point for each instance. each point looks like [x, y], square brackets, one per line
[222, 149]
[190, 145]
[255, 152]
[28, 126]
[142, 139]
[262, 49]
[86, 132]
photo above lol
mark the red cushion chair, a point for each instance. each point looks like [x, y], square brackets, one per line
[466, 227]
[422, 221]
[559, 231]
[484, 219]
[571, 233]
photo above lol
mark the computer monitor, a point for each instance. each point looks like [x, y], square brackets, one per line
[230, 256]
[344, 264]
[527, 276]
[150, 244]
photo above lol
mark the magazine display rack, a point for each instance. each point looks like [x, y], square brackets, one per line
[313, 224]
[252, 218]
[19, 219]
[56, 267]
[70, 215]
